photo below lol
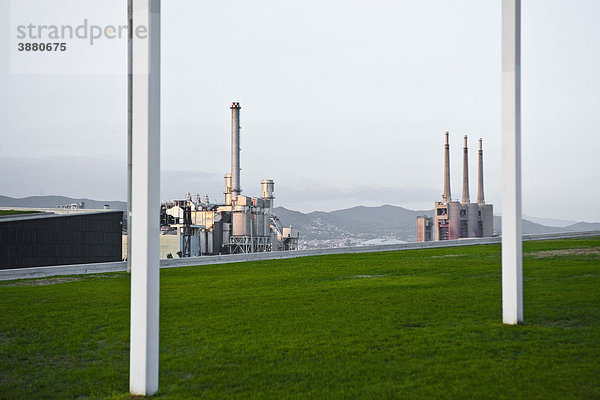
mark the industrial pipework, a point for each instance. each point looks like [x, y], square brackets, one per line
[446, 196]
[235, 149]
[465, 194]
[480, 198]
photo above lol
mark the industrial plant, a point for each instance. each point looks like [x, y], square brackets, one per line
[454, 219]
[242, 224]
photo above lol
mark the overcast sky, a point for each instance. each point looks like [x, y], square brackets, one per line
[343, 102]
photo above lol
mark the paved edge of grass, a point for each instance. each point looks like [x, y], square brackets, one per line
[119, 266]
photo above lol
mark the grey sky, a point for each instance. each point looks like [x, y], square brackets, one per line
[343, 103]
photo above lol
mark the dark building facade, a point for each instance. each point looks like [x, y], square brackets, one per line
[60, 239]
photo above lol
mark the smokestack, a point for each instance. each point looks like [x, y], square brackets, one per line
[446, 196]
[228, 189]
[235, 149]
[480, 198]
[267, 189]
[465, 196]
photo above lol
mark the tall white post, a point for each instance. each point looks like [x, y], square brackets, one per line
[145, 197]
[129, 123]
[512, 243]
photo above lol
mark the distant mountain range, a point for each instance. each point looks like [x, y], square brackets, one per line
[53, 201]
[549, 221]
[357, 222]
[362, 223]
[386, 221]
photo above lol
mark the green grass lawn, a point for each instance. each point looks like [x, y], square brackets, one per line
[15, 212]
[419, 324]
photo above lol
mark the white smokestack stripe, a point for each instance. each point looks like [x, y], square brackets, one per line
[235, 149]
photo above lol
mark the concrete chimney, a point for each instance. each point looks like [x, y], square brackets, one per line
[446, 196]
[480, 198]
[465, 196]
[235, 149]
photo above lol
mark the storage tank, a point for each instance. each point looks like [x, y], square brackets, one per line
[210, 249]
[226, 232]
[203, 242]
[267, 188]
[267, 191]
[258, 224]
[241, 223]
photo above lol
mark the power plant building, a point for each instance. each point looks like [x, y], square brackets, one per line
[42, 239]
[242, 224]
[458, 219]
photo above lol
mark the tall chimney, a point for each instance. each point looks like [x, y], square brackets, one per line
[235, 149]
[480, 198]
[465, 196]
[446, 196]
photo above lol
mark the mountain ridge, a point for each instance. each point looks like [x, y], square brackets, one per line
[52, 201]
[359, 223]
[366, 223]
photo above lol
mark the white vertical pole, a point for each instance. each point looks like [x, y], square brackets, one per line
[145, 198]
[512, 244]
[129, 123]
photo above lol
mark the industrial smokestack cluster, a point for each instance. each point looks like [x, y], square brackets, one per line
[446, 197]
[453, 219]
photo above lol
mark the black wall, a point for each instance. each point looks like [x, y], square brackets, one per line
[60, 239]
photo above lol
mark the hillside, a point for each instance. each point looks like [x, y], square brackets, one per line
[584, 226]
[53, 201]
[366, 223]
[357, 224]
[533, 227]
